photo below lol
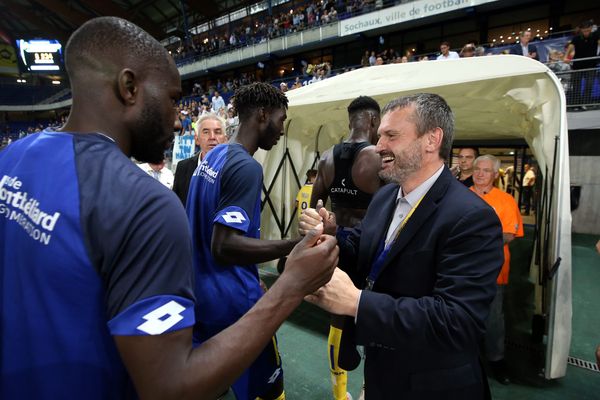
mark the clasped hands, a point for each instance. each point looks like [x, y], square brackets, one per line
[339, 295]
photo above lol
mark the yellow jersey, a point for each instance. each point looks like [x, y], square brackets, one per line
[303, 198]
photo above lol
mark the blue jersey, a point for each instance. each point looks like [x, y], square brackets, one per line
[225, 189]
[90, 247]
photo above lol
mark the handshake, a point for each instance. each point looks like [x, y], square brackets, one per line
[312, 264]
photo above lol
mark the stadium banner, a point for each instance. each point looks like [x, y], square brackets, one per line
[403, 13]
[183, 148]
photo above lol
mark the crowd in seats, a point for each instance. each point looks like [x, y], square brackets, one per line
[553, 52]
[11, 131]
[310, 15]
[215, 98]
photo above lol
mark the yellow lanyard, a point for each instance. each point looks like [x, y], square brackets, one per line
[401, 225]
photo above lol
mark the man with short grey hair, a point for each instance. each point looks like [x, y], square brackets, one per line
[210, 132]
[421, 265]
[485, 172]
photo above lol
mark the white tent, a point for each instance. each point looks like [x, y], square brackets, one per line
[496, 97]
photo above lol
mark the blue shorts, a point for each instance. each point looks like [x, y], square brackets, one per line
[261, 376]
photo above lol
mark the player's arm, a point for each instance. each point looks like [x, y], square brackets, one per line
[237, 215]
[325, 172]
[166, 367]
[570, 51]
[230, 246]
[365, 171]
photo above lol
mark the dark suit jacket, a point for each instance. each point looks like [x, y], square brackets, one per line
[516, 49]
[183, 176]
[422, 323]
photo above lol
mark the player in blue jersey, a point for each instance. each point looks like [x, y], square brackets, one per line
[96, 284]
[224, 214]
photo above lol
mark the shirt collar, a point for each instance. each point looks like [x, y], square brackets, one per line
[420, 191]
[106, 136]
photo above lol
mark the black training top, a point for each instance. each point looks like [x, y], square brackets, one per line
[343, 190]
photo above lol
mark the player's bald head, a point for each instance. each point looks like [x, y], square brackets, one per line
[107, 44]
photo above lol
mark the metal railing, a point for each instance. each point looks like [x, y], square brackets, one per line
[581, 85]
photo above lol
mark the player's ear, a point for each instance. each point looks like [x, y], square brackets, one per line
[127, 86]
[262, 114]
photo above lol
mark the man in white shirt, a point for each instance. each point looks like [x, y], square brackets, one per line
[446, 53]
[528, 184]
[372, 59]
[217, 102]
[159, 172]
[524, 48]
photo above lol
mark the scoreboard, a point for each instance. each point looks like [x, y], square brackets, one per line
[40, 55]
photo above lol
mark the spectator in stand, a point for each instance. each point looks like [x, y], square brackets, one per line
[197, 89]
[325, 17]
[446, 53]
[217, 102]
[557, 65]
[222, 113]
[404, 60]
[379, 61]
[204, 110]
[205, 102]
[372, 59]
[584, 45]
[297, 83]
[527, 187]
[479, 51]
[364, 61]
[283, 87]
[186, 122]
[194, 120]
[384, 56]
[333, 15]
[524, 48]
[232, 118]
[468, 50]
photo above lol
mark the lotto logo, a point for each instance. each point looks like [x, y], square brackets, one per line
[275, 375]
[161, 319]
[233, 217]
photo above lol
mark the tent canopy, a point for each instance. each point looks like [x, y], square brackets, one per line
[500, 97]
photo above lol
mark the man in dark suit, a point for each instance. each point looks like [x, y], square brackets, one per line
[210, 132]
[426, 256]
[524, 48]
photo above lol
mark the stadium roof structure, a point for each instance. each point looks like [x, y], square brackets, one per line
[57, 19]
